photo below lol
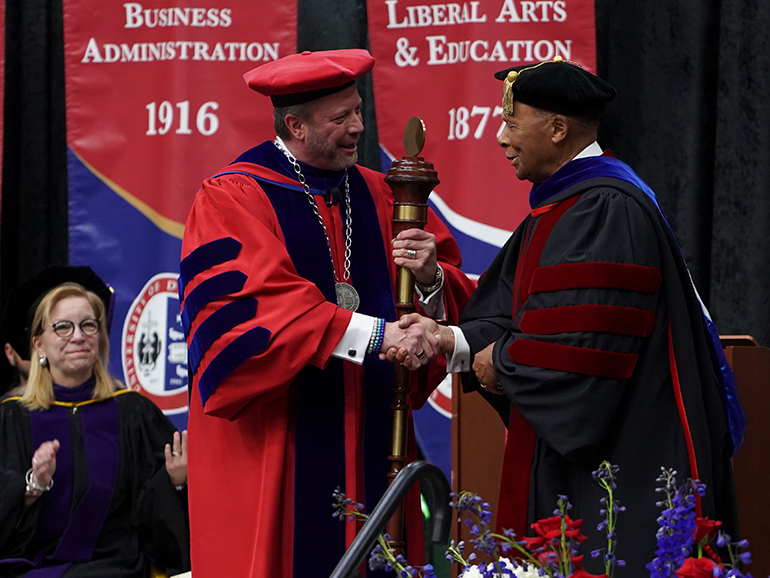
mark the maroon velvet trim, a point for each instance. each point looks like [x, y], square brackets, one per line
[596, 362]
[527, 265]
[601, 318]
[596, 275]
[520, 447]
[512, 509]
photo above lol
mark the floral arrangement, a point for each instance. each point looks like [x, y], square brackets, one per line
[681, 534]
[684, 540]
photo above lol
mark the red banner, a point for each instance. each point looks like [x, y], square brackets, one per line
[436, 61]
[155, 96]
[156, 102]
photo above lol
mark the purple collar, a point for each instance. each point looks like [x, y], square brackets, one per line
[579, 170]
[82, 392]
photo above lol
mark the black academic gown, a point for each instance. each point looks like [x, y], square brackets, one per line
[112, 508]
[580, 303]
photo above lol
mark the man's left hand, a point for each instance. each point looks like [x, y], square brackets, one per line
[484, 368]
[415, 249]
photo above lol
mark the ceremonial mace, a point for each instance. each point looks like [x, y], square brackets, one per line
[412, 179]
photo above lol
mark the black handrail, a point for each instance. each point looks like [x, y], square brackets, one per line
[436, 491]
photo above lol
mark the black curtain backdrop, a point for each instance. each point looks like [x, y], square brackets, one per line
[690, 117]
[33, 216]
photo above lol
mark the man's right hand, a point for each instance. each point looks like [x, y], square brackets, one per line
[445, 340]
[411, 343]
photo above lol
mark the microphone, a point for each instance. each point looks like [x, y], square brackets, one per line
[333, 197]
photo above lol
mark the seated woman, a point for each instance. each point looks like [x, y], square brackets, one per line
[92, 476]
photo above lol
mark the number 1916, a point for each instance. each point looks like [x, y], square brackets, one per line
[161, 118]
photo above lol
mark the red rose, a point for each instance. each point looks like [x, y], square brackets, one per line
[535, 543]
[579, 572]
[696, 568]
[705, 528]
[549, 528]
[576, 535]
[546, 558]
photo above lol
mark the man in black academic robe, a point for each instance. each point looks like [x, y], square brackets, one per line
[587, 335]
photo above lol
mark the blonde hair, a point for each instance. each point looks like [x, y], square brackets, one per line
[39, 391]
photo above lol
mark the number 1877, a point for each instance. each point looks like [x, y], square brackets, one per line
[460, 120]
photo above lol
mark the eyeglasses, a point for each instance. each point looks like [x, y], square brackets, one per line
[66, 328]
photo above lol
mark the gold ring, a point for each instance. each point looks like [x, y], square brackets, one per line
[420, 354]
[411, 254]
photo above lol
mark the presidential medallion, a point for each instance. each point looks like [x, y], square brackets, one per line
[347, 296]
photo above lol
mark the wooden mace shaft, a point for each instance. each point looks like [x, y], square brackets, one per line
[412, 179]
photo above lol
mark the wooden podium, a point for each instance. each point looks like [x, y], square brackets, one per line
[751, 465]
[478, 439]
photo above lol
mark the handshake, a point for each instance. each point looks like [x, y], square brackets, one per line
[414, 340]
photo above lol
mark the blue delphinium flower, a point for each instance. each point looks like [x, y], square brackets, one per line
[605, 476]
[378, 560]
[738, 554]
[345, 507]
[427, 571]
[478, 517]
[668, 479]
[677, 525]
[455, 552]
[382, 557]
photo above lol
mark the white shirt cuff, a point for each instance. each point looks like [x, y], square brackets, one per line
[355, 340]
[433, 304]
[459, 360]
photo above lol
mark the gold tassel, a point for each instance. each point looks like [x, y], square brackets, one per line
[508, 92]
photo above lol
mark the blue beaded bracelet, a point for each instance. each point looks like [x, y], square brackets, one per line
[378, 333]
[380, 336]
[373, 336]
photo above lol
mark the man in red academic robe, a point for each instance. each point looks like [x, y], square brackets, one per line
[287, 283]
[587, 335]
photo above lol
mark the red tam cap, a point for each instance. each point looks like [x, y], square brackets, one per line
[299, 78]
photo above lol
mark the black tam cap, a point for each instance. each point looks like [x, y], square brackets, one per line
[24, 299]
[557, 86]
